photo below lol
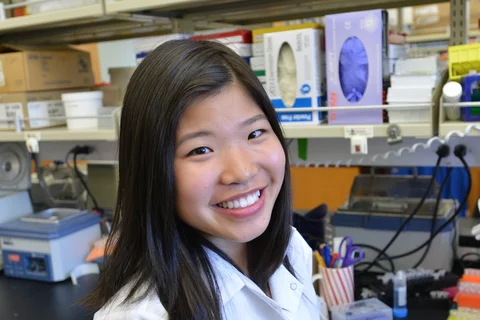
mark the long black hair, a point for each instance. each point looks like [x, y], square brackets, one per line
[150, 247]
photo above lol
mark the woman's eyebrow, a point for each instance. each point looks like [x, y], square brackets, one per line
[253, 119]
[204, 133]
[193, 135]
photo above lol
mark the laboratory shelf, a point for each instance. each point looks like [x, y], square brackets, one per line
[45, 19]
[430, 37]
[246, 12]
[60, 134]
[449, 126]
[122, 19]
[417, 130]
[135, 5]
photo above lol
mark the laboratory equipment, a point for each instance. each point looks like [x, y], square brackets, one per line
[400, 295]
[14, 183]
[379, 204]
[362, 310]
[48, 245]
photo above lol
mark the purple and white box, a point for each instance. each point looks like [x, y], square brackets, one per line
[354, 53]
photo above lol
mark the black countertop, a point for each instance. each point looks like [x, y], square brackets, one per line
[34, 300]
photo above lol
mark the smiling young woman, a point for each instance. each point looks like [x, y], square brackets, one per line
[203, 221]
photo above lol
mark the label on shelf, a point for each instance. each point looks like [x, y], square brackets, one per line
[8, 113]
[358, 131]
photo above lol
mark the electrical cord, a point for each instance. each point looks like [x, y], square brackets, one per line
[434, 217]
[373, 248]
[41, 180]
[460, 152]
[442, 151]
[76, 151]
[466, 264]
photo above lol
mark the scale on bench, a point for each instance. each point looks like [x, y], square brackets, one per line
[14, 183]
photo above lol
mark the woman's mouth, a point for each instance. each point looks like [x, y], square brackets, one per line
[243, 207]
[241, 202]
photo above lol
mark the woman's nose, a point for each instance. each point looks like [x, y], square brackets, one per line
[239, 166]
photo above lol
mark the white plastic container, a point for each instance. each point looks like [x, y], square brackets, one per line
[399, 96]
[452, 92]
[82, 104]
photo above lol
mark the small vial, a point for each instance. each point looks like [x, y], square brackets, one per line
[400, 295]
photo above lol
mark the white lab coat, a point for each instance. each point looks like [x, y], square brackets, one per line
[241, 298]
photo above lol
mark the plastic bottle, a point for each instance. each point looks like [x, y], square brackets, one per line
[452, 92]
[400, 295]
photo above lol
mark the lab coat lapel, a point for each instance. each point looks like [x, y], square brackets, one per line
[286, 289]
[228, 278]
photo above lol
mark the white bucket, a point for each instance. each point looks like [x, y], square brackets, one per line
[82, 104]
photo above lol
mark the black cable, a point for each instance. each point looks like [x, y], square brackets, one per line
[434, 217]
[79, 175]
[414, 212]
[457, 212]
[470, 254]
[368, 246]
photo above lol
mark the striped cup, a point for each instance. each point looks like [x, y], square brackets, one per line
[337, 286]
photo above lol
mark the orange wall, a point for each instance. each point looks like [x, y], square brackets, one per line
[314, 186]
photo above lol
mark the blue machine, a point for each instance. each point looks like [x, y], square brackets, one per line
[47, 246]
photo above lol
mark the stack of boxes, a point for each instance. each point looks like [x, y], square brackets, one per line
[240, 41]
[413, 83]
[145, 45]
[32, 81]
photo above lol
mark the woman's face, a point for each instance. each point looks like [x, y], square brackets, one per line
[229, 167]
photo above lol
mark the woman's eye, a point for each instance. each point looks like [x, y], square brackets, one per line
[199, 151]
[256, 134]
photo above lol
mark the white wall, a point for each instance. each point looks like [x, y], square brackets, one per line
[114, 54]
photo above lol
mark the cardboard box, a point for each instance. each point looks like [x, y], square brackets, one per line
[36, 69]
[112, 96]
[355, 40]
[436, 17]
[32, 105]
[301, 84]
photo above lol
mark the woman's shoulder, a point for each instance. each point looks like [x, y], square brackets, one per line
[143, 306]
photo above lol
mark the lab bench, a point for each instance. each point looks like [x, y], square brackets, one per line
[27, 300]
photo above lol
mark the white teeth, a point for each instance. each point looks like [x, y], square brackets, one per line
[241, 202]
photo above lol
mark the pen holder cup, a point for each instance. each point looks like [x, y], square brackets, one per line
[336, 285]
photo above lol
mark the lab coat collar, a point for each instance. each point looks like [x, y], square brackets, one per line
[286, 289]
[229, 279]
